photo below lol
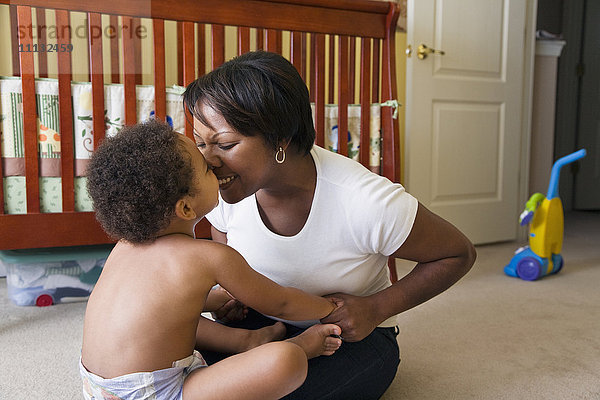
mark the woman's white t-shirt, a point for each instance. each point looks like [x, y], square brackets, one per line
[357, 219]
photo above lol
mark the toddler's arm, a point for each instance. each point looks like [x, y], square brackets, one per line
[234, 274]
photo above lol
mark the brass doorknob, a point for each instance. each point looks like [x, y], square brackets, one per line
[423, 51]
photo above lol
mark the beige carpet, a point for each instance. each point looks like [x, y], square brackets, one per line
[489, 337]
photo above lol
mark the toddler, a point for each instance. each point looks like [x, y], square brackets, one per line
[150, 186]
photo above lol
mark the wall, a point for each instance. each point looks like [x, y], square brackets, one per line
[5, 57]
[549, 16]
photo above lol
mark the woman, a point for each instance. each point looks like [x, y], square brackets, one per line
[309, 218]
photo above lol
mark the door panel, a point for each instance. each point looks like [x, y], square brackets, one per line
[473, 38]
[476, 124]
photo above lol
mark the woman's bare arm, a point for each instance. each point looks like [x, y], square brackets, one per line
[443, 255]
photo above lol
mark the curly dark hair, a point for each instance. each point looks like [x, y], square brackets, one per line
[135, 179]
[257, 93]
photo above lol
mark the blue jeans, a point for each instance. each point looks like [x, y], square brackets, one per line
[357, 370]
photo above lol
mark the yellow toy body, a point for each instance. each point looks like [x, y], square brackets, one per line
[546, 230]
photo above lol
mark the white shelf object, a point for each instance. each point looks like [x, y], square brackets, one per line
[549, 48]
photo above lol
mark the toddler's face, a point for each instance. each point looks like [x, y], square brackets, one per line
[207, 185]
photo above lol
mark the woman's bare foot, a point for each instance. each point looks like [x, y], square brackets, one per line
[264, 335]
[316, 340]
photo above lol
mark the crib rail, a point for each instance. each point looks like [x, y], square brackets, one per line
[349, 34]
[341, 17]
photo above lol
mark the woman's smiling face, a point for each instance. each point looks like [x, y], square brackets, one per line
[242, 164]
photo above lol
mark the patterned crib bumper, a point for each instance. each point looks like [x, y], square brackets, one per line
[354, 114]
[49, 149]
[49, 136]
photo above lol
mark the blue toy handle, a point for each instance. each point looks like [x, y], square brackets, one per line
[553, 186]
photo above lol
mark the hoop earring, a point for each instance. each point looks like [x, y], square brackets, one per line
[277, 157]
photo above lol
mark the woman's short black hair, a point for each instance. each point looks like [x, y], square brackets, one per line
[257, 93]
[135, 179]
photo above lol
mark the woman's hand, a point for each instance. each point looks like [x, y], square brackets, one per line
[224, 306]
[233, 310]
[355, 315]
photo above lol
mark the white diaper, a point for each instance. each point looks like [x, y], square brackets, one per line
[164, 384]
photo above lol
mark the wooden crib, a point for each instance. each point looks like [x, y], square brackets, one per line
[344, 49]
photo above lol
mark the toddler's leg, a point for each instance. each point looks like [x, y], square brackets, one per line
[213, 336]
[269, 371]
[266, 372]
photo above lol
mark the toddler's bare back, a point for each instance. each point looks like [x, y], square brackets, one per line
[149, 296]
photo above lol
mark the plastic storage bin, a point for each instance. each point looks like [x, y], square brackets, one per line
[44, 277]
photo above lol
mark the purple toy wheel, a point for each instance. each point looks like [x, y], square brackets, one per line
[529, 269]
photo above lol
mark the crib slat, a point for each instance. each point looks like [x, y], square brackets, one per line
[129, 74]
[343, 96]
[273, 41]
[114, 49]
[279, 41]
[137, 48]
[296, 51]
[352, 70]
[29, 113]
[312, 69]
[391, 149]
[97, 78]
[331, 75]
[218, 45]
[201, 43]
[303, 72]
[319, 87]
[14, 40]
[270, 40]
[375, 88]
[188, 53]
[188, 68]
[160, 97]
[375, 92]
[365, 101]
[179, 53]
[243, 40]
[260, 39]
[65, 109]
[40, 14]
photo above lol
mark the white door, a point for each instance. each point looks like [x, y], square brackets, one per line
[464, 112]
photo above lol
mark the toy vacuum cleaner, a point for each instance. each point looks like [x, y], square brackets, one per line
[545, 218]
